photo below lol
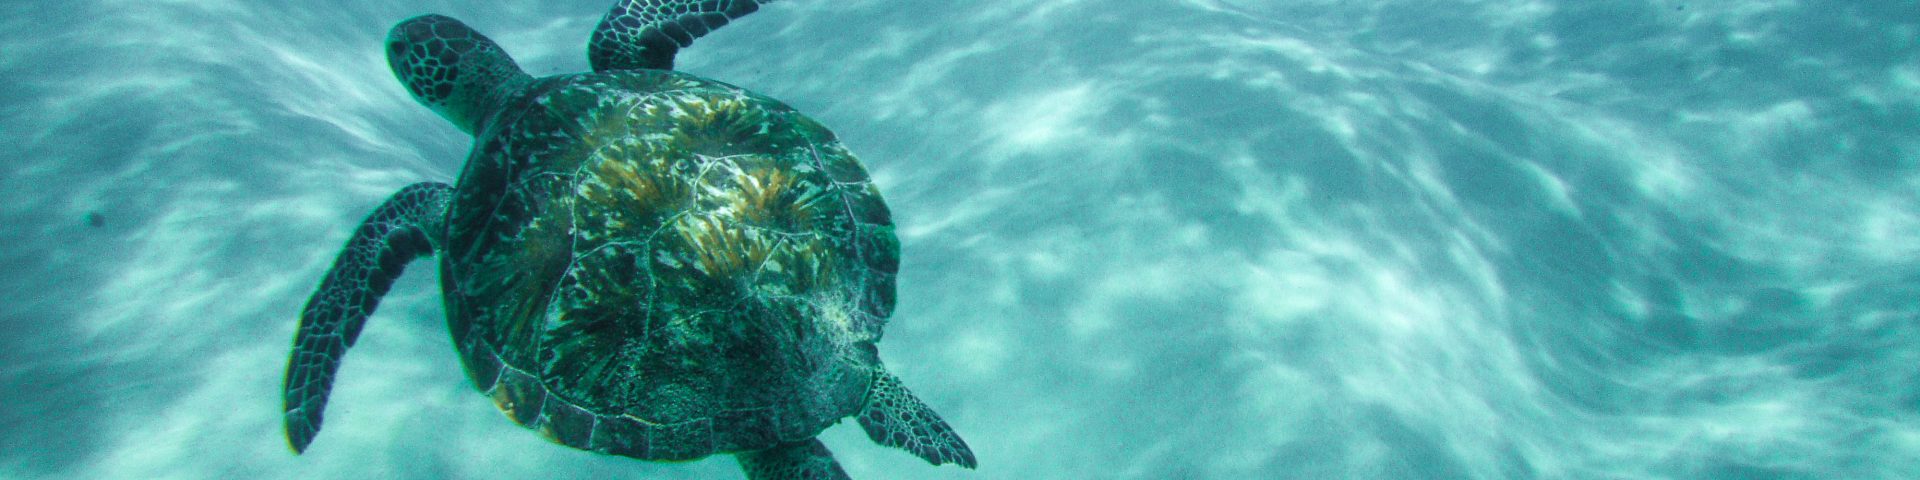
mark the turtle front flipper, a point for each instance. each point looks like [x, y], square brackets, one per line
[408, 225]
[895, 418]
[803, 460]
[640, 34]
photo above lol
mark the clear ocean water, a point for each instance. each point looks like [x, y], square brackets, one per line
[1201, 239]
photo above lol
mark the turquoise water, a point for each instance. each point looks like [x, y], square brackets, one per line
[1142, 240]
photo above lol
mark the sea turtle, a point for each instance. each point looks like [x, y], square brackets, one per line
[637, 261]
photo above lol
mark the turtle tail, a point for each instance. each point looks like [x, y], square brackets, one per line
[408, 225]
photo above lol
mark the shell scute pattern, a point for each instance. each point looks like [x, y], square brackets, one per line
[568, 424]
[521, 397]
[661, 252]
[636, 261]
[515, 252]
[778, 197]
[722, 125]
[591, 341]
[686, 440]
[621, 436]
[480, 223]
[863, 202]
[645, 181]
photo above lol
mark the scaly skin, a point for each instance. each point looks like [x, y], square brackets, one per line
[638, 261]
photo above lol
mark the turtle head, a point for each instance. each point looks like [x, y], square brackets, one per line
[457, 72]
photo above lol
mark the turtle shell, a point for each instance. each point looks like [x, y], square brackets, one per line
[661, 266]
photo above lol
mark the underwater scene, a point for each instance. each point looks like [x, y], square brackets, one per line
[1157, 239]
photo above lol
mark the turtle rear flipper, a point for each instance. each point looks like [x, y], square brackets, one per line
[803, 460]
[406, 226]
[640, 34]
[895, 418]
